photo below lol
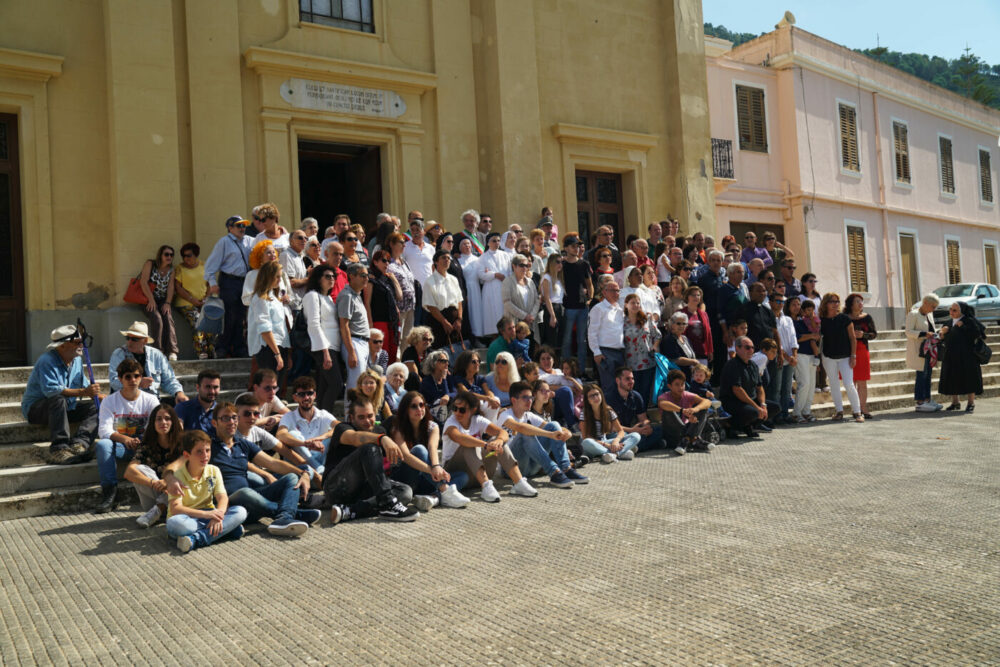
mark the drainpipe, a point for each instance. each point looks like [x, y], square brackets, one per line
[885, 215]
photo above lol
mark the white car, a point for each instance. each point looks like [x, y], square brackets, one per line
[982, 297]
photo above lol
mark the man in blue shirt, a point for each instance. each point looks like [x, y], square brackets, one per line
[157, 373]
[230, 258]
[52, 396]
[232, 454]
[196, 413]
[630, 407]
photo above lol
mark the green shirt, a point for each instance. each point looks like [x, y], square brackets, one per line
[496, 347]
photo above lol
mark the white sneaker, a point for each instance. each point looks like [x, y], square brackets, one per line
[679, 450]
[608, 457]
[452, 497]
[626, 455]
[425, 503]
[522, 488]
[489, 492]
[924, 407]
[937, 406]
[150, 518]
[172, 356]
[203, 355]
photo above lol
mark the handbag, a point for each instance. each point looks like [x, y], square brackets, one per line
[982, 351]
[210, 319]
[134, 293]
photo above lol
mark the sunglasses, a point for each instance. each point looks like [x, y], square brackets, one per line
[427, 340]
[376, 342]
[250, 413]
[417, 406]
[135, 339]
[305, 393]
[461, 410]
[187, 255]
[226, 418]
[270, 387]
[501, 362]
[348, 239]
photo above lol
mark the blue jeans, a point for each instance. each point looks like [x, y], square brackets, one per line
[421, 482]
[577, 316]
[613, 360]
[232, 340]
[922, 386]
[562, 410]
[652, 441]
[277, 500]
[779, 389]
[593, 447]
[314, 459]
[180, 525]
[534, 453]
[107, 454]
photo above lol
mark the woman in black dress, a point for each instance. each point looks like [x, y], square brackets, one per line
[960, 369]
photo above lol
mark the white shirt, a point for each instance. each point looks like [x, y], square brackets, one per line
[420, 260]
[477, 426]
[294, 269]
[261, 438]
[527, 418]
[556, 288]
[280, 243]
[119, 415]
[441, 291]
[317, 426]
[321, 321]
[606, 327]
[265, 315]
[760, 359]
[786, 333]
[554, 379]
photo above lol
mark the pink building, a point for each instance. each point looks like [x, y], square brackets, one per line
[881, 183]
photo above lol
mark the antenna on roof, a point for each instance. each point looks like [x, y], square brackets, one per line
[787, 19]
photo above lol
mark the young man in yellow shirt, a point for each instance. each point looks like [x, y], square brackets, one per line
[201, 514]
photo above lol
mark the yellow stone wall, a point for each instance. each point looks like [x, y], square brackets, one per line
[146, 122]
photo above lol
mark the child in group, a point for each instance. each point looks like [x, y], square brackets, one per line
[520, 347]
[736, 329]
[767, 352]
[201, 515]
[812, 323]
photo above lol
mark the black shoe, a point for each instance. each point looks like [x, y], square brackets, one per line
[732, 434]
[109, 492]
[953, 407]
[60, 457]
[308, 516]
[970, 407]
[399, 512]
[749, 432]
[764, 427]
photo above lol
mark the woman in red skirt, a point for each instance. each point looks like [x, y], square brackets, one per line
[864, 330]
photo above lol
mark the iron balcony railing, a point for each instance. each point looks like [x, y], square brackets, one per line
[722, 158]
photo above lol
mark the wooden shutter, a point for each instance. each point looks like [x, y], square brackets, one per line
[856, 260]
[954, 262]
[750, 119]
[902, 144]
[849, 137]
[947, 166]
[985, 176]
[991, 264]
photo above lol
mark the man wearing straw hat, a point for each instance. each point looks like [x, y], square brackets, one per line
[157, 373]
[52, 397]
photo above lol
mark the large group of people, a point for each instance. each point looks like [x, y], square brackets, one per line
[393, 410]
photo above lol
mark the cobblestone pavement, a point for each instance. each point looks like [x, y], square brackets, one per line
[827, 544]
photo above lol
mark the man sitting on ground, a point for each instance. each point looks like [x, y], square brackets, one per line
[630, 407]
[157, 373]
[248, 409]
[121, 425]
[52, 397]
[231, 453]
[196, 413]
[265, 390]
[684, 415]
[355, 485]
[535, 442]
[307, 429]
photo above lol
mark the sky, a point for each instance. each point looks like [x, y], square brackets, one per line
[918, 26]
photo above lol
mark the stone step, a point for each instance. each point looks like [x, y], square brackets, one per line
[895, 401]
[22, 454]
[878, 389]
[77, 498]
[19, 374]
[24, 479]
[882, 345]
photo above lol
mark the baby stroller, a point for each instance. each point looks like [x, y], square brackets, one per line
[715, 428]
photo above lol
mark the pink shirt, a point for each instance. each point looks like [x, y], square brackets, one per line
[688, 400]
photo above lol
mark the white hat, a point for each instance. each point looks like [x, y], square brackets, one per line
[63, 334]
[138, 329]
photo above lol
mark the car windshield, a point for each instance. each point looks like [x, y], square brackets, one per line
[952, 291]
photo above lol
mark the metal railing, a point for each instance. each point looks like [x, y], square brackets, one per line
[722, 158]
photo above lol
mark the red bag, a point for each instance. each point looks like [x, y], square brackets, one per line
[134, 293]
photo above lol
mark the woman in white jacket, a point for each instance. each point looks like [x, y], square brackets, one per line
[494, 267]
[919, 324]
[324, 336]
[267, 331]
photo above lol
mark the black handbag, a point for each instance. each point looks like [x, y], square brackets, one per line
[982, 351]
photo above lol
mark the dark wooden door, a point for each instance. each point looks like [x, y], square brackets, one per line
[599, 202]
[12, 334]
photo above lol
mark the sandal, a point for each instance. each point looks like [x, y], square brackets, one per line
[970, 407]
[859, 418]
[867, 415]
[839, 417]
[953, 407]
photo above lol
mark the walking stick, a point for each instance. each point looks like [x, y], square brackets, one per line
[82, 330]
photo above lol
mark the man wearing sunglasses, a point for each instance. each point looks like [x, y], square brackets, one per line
[307, 429]
[230, 261]
[157, 373]
[353, 319]
[120, 426]
[742, 392]
[248, 410]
